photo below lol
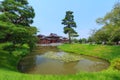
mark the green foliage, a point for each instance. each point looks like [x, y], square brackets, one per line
[17, 12]
[110, 43]
[116, 63]
[20, 50]
[75, 41]
[6, 59]
[70, 24]
[110, 32]
[15, 19]
[2, 46]
[83, 40]
[17, 37]
[17, 34]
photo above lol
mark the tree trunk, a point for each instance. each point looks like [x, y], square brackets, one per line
[69, 37]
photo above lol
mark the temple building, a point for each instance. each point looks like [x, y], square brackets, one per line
[52, 38]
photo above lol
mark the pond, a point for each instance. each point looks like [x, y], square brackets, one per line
[50, 60]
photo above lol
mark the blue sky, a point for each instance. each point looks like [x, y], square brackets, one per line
[49, 14]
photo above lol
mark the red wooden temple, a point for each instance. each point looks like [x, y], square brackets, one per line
[52, 38]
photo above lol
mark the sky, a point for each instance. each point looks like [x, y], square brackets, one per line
[49, 14]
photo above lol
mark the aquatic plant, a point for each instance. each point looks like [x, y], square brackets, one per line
[66, 57]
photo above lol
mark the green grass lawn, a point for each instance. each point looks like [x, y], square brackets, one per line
[110, 53]
[102, 51]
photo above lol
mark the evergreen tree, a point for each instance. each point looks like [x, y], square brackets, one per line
[70, 24]
[17, 12]
[15, 19]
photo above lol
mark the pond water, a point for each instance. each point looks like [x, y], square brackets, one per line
[39, 62]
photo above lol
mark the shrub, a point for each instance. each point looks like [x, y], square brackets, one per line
[110, 43]
[116, 63]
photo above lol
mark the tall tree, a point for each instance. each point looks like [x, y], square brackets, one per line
[70, 24]
[15, 19]
[111, 26]
[17, 12]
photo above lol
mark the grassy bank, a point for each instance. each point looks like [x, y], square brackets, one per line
[110, 53]
[10, 75]
[102, 51]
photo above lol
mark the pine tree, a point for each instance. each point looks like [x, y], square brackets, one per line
[70, 24]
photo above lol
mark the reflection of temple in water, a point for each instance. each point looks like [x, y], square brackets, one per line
[52, 38]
